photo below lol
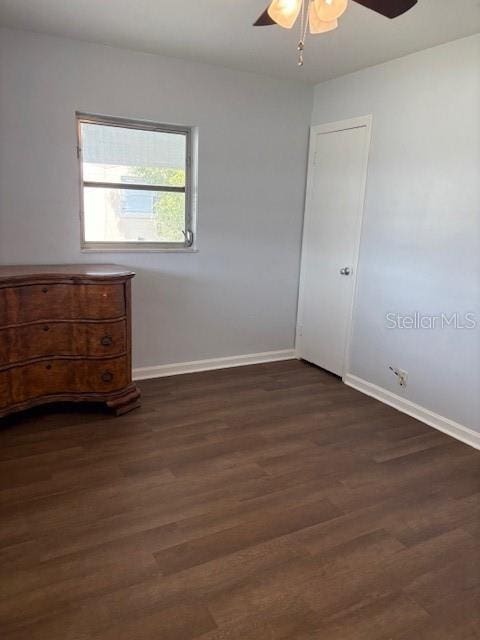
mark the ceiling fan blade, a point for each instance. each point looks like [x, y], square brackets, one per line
[388, 8]
[264, 20]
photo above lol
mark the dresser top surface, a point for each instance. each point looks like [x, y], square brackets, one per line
[64, 271]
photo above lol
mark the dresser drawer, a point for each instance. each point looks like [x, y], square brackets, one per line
[26, 342]
[30, 303]
[57, 377]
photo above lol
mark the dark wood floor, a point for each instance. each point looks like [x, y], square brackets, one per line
[258, 503]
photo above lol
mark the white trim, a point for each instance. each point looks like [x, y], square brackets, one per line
[331, 127]
[342, 125]
[451, 428]
[162, 370]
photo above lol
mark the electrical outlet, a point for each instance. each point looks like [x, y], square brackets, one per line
[402, 376]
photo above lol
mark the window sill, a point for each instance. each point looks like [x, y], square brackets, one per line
[137, 250]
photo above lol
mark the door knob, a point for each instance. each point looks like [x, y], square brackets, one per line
[346, 271]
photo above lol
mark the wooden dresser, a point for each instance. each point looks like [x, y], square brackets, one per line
[65, 335]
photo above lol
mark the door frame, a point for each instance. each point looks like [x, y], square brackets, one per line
[332, 127]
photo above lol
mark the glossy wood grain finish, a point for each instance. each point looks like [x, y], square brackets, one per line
[30, 303]
[60, 327]
[63, 376]
[45, 339]
[268, 502]
[13, 274]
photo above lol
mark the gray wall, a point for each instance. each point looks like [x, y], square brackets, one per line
[238, 294]
[421, 238]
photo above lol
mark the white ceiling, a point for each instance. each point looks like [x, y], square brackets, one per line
[220, 32]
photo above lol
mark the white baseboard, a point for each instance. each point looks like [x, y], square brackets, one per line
[451, 428]
[160, 371]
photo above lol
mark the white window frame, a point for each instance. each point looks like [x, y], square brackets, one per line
[191, 186]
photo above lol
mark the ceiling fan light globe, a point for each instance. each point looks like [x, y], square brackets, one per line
[329, 10]
[319, 26]
[285, 12]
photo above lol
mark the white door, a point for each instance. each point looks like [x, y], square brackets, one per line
[335, 194]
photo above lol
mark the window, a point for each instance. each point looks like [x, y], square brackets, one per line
[137, 185]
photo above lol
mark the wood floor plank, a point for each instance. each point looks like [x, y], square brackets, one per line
[182, 622]
[203, 583]
[377, 620]
[267, 502]
[194, 552]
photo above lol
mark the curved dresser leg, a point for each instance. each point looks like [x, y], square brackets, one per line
[126, 402]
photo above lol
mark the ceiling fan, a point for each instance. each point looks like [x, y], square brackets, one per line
[322, 15]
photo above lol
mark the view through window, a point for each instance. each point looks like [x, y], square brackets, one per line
[136, 184]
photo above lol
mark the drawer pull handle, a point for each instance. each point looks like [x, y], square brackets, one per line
[49, 366]
[106, 341]
[46, 328]
[107, 376]
[45, 290]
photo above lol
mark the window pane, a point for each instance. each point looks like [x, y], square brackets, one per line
[135, 156]
[127, 215]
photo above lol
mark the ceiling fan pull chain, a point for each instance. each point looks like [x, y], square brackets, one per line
[300, 47]
[303, 33]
